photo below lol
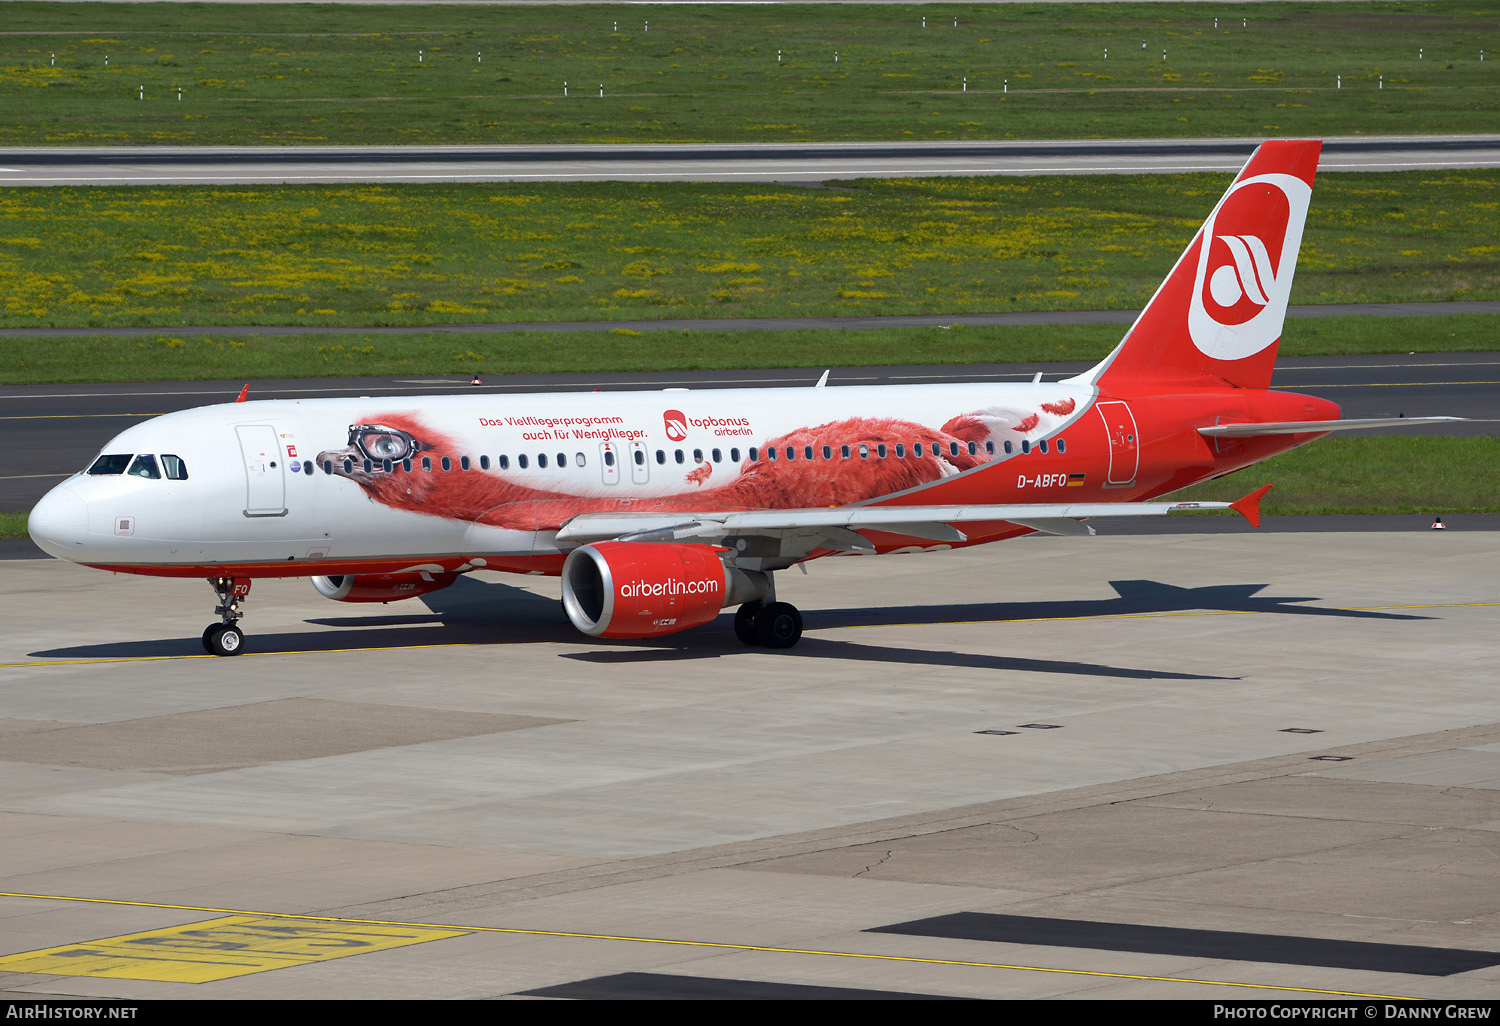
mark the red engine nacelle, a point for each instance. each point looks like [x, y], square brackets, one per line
[642, 589]
[381, 587]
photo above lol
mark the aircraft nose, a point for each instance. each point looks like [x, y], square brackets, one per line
[60, 523]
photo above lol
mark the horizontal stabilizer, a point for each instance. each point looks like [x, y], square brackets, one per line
[1302, 427]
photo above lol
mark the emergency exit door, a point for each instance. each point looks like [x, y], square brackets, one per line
[265, 483]
[1124, 449]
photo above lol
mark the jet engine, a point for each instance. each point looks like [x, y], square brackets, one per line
[642, 589]
[381, 587]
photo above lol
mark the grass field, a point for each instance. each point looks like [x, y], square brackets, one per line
[1372, 475]
[427, 254]
[606, 351]
[284, 74]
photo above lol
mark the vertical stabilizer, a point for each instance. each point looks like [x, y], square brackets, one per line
[1217, 318]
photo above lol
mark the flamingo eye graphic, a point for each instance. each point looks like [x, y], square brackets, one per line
[379, 442]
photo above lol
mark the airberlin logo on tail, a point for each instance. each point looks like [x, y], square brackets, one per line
[676, 424]
[1246, 255]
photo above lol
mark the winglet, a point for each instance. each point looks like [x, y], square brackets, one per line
[1249, 506]
[244, 393]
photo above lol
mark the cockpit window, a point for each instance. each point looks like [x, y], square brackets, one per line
[175, 468]
[145, 466]
[111, 464]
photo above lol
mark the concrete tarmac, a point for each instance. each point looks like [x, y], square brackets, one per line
[1005, 754]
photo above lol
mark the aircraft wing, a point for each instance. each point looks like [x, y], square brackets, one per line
[1298, 427]
[838, 528]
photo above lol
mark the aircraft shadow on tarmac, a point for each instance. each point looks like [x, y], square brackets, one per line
[484, 612]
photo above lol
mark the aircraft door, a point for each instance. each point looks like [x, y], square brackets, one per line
[609, 462]
[640, 464]
[1124, 449]
[265, 481]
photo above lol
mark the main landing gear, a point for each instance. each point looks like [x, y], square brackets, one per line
[225, 638]
[772, 624]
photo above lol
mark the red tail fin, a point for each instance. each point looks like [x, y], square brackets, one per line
[1217, 318]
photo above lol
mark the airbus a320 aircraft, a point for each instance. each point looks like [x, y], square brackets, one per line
[659, 509]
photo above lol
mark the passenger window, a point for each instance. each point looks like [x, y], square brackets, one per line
[753, 456]
[916, 450]
[1025, 445]
[1007, 448]
[1042, 445]
[791, 452]
[387, 465]
[541, 460]
[307, 468]
[578, 457]
[718, 456]
[661, 457]
[1062, 446]
[640, 458]
[734, 455]
[973, 449]
[145, 466]
[609, 458]
[864, 451]
[844, 451]
[828, 452]
[771, 453]
[177, 470]
[463, 462]
[504, 462]
[370, 466]
[562, 459]
[427, 463]
[952, 448]
[680, 457]
[697, 455]
[989, 447]
[807, 452]
[111, 464]
[900, 451]
[521, 461]
[880, 450]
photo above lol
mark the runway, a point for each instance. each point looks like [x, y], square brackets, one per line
[54, 430]
[1213, 767]
[729, 162]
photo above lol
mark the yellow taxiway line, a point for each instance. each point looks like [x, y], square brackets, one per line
[841, 627]
[716, 945]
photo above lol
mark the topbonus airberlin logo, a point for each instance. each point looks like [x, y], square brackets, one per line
[676, 424]
[1246, 256]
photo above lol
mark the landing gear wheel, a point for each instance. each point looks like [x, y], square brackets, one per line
[778, 625]
[208, 636]
[744, 622]
[227, 640]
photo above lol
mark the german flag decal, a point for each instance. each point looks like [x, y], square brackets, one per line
[1075, 480]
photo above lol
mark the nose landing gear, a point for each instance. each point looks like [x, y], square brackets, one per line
[225, 638]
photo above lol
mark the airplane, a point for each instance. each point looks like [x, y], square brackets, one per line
[659, 509]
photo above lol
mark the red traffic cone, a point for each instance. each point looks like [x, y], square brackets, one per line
[476, 381]
[1437, 525]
